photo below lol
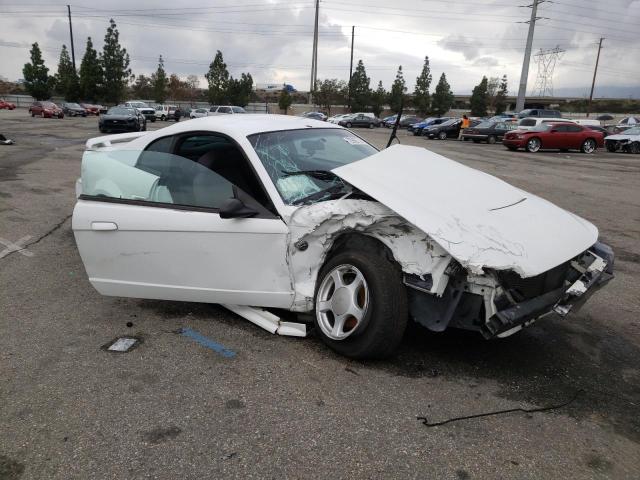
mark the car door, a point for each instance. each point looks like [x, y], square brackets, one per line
[574, 136]
[557, 137]
[148, 225]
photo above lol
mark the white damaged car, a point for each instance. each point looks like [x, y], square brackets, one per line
[267, 212]
[627, 141]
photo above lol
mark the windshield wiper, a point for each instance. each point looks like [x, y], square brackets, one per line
[319, 174]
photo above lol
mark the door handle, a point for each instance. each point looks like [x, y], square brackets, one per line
[104, 226]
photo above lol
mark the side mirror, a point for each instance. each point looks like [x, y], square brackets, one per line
[234, 208]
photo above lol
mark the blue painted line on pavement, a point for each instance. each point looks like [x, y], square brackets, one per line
[207, 342]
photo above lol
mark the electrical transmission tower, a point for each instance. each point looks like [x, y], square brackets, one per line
[546, 61]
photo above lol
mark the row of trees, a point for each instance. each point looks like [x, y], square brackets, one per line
[489, 95]
[106, 76]
[102, 75]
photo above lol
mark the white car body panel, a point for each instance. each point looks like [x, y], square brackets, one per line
[477, 218]
[623, 137]
[194, 256]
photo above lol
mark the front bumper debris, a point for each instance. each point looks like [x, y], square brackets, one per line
[587, 274]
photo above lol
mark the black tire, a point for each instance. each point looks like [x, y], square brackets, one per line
[144, 127]
[634, 147]
[612, 146]
[491, 139]
[153, 119]
[371, 125]
[32, 114]
[163, 118]
[348, 125]
[383, 325]
[442, 135]
[102, 130]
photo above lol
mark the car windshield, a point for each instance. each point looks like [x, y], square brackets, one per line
[120, 111]
[73, 105]
[238, 110]
[632, 131]
[138, 104]
[299, 161]
[485, 124]
[48, 104]
[449, 122]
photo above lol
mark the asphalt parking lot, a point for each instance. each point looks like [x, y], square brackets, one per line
[290, 408]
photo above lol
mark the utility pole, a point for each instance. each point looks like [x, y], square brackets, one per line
[73, 52]
[353, 30]
[522, 90]
[593, 82]
[314, 57]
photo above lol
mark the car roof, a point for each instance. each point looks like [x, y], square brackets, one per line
[244, 125]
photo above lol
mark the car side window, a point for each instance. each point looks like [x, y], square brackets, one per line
[224, 110]
[573, 128]
[191, 170]
[560, 128]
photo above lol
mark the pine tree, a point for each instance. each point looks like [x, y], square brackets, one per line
[378, 99]
[359, 89]
[442, 99]
[398, 90]
[329, 92]
[239, 90]
[115, 66]
[479, 99]
[67, 83]
[160, 82]
[91, 77]
[36, 76]
[218, 78]
[421, 98]
[284, 100]
[501, 96]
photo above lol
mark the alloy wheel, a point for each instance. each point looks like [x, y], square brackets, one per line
[342, 301]
[533, 145]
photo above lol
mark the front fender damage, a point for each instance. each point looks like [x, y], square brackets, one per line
[315, 228]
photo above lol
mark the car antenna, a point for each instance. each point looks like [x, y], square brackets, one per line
[396, 124]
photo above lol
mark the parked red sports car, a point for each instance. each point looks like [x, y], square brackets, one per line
[46, 110]
[91, 109]
[555, 135]
[5, 104]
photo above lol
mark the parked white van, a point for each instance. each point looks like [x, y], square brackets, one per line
[530, 122]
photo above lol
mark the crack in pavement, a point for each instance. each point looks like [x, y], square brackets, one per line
[41, 237]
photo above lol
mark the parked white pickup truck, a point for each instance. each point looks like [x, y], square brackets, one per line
[148, 112]
[165, 112]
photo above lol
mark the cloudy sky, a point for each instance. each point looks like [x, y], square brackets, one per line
[272, 39]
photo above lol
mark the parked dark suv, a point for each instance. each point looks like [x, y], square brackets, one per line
[539, 112]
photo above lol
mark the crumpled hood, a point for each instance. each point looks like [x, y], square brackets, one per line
[622, 136]
[478, 219]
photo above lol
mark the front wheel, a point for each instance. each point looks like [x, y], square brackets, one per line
[348, 125]
[533, 145]
[491, 140]
[371, 125]
[361, 303]
[442, 135]
[163, 118]
[588, 146]
[634, 148]
[153, 119]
